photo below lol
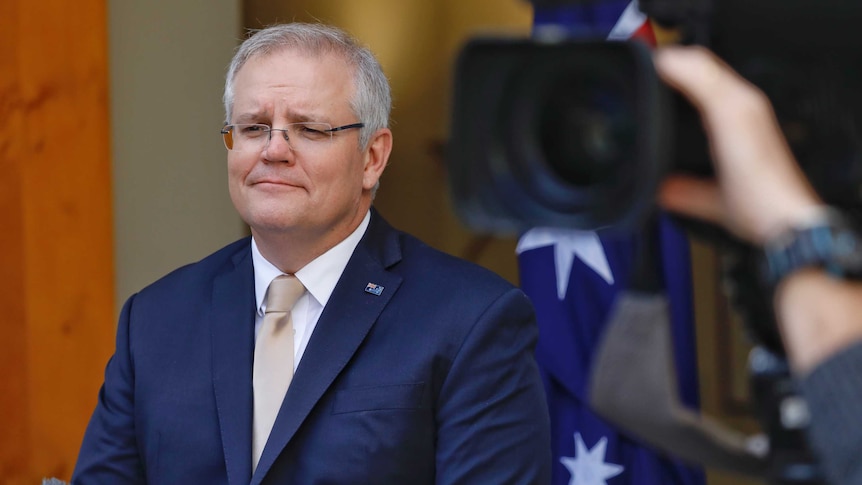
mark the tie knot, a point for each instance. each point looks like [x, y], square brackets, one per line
[283, 293]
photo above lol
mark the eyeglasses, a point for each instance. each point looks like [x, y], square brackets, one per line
[300, 136]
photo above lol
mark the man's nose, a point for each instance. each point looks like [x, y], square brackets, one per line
[278, 147]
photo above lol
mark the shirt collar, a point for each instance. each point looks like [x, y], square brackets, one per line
[319, 276]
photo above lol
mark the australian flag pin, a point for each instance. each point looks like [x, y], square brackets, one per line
[374, 289]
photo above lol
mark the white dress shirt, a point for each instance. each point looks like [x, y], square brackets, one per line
[319, 278]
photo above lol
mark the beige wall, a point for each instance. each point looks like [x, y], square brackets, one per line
[167, 65]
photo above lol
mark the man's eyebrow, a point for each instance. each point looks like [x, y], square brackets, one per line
[250, 116]
[296, 116]
[293, 116]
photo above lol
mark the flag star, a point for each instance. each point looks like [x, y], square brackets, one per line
[631, 20]
[588, 467]
[569, 243]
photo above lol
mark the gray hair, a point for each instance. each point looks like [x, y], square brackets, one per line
[372, 100]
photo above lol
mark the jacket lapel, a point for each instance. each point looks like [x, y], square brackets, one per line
[232, 321]
[346, 320]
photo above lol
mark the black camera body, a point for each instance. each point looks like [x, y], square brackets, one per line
[578, 133]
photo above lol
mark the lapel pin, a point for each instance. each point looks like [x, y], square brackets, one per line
[374, 289]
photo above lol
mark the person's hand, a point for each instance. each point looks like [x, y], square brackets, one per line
[759, 189]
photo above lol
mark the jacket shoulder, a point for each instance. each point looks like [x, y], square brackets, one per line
[458, 273]
[193, 274]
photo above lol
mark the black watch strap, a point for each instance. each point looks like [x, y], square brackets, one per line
[830, 242]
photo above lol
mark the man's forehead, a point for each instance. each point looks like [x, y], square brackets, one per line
[294, 96]
[292, 74]
[292, 64]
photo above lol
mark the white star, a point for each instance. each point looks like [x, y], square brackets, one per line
[630, 21]
[588, 467]
[568, 243]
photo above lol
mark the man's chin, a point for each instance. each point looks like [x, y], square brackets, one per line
[273, 226]
[265, 219]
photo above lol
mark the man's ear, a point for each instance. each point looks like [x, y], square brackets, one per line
[376, 157]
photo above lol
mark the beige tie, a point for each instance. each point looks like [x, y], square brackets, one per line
[273, 358]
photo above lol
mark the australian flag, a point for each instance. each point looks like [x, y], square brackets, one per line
[573, 278]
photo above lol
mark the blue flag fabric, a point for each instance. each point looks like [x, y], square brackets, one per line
[589, 271]
[573, 278]
[595, 19]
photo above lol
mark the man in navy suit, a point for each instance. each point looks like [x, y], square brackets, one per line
[410, 366]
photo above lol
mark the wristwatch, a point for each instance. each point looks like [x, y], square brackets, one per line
[829, 241]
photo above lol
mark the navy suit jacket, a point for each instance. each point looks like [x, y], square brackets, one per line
[431, 381]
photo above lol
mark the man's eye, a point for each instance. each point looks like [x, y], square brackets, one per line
[313, 132]
[253, 130]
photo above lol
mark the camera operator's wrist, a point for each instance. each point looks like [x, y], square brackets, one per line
[820, 237]
[818, 316]
[801, 215]
[813, 267]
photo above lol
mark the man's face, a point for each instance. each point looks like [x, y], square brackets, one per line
[315, 195]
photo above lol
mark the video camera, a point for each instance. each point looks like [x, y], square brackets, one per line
[578, 132]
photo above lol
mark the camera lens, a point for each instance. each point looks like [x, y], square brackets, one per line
[586, 131]
[566, 134]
